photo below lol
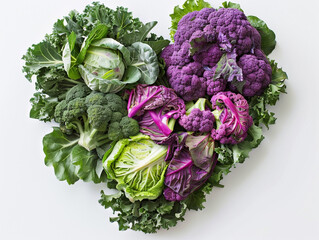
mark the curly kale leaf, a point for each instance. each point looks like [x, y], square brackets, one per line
[42, 107]
[147, 216]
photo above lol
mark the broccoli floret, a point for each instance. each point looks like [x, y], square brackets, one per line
[97, 117]
[78, 91]
[59, 110]
[96, 98]
[116, 117]
[256, 72]
[76, 108]
[129, 126]
[115, 132]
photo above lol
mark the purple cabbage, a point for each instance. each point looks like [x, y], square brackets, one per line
[190, 167]
[156, 108]
[232, 117]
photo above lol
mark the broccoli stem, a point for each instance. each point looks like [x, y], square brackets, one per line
[89, 141]
[71, 81]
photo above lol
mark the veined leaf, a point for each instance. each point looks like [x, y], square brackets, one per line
[139, 35]
[39, 56]
[268, 37]
[57, 148]
[70, 161]
[145, 59]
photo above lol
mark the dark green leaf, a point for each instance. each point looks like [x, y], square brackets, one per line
[145, 59]
[70, 161]
[57, 148]
[39, 56]
[139, 35]
[232, 5]
[147, 215]
[42, 107]
[157, 45]
[268, 37]
[258, 104]
[86, 164]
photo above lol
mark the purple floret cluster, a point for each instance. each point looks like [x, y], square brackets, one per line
[198, 121]
[201, 40]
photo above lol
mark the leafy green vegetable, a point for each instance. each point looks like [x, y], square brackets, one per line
[144, 58]
[42, 107]
[268, 37]
[69, 41]
[231, 5]
[39, 56]
[147, 215]
[138, 165]
[70, 161]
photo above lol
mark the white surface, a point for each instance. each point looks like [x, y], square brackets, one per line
[273, 195]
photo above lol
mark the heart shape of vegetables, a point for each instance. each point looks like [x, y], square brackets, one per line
[161, 122]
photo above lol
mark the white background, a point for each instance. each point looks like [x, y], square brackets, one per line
[274, 195]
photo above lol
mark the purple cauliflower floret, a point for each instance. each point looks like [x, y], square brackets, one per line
[232, 117]
[167, 54]
[180, 56]
[256, 39]
[204, 13]
[187, 26]
[187, 81]
[198, 121]
[208, 57]
[256, 72]
[214, 86]
[234, 30]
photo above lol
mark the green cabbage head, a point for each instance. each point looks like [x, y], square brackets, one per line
[138, 165]
[107, 66]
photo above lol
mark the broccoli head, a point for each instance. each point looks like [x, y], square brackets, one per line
[97, 117]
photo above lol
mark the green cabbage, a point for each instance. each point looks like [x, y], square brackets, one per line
[138, 165]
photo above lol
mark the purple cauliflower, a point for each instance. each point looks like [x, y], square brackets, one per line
[203, 59]
[232, 117]
[187, 81]
[197, 118]
[234, 30]
[256, 73]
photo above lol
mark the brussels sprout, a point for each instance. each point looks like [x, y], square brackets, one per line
[138, 165]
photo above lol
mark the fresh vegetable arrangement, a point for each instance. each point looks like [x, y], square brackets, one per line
[161, 122]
